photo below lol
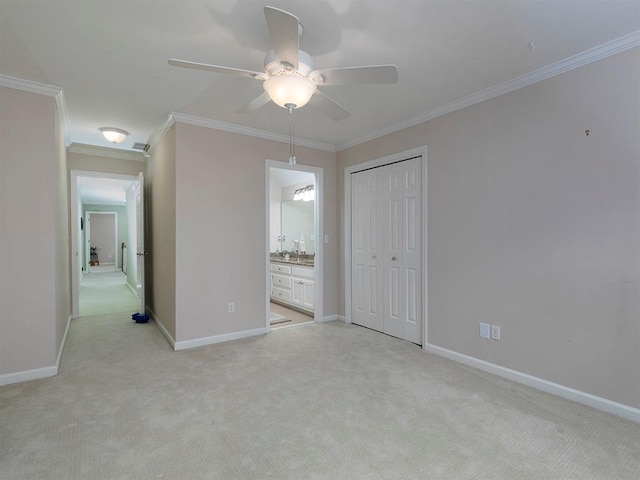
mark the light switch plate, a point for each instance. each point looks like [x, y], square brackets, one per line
[485, 329]
[495, 332]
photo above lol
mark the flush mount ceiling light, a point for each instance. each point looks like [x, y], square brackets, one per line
[114, 135]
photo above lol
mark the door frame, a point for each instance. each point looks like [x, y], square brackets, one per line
[318, 273]
[379, 162]
[76, 243]
[87, 232]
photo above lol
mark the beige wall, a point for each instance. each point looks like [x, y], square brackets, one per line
[534, 226]
[161, 243]
[34, 266]
[220, 227]
[62, 236]
[101, 164]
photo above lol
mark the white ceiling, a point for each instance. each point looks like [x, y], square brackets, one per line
[110, 57]
[103, 191]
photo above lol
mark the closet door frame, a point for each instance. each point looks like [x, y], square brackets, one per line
[378, 162]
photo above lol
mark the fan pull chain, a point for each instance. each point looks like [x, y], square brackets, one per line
[292, 135]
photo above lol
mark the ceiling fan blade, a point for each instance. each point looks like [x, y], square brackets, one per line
[255, 104]
[328, 106]
[215, 68]
[356, 75]
[284, 35]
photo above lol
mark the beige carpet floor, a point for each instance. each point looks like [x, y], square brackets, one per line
[106, 292]
[320, 401]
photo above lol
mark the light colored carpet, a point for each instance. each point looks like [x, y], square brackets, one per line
[106, 292]
[321, 401]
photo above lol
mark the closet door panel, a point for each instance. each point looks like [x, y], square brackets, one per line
[386, 249]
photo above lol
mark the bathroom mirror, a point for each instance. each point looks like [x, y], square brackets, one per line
[297, 224]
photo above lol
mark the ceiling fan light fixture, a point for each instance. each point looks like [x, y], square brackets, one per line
[289, 90]
[114, 135]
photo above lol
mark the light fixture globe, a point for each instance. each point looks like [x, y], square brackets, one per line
[114, 135]
[289, 89]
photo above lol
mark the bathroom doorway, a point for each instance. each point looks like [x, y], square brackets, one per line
[294, 244]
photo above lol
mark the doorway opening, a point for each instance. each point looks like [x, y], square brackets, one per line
[294, 244]
[104, 242]
[101, 240]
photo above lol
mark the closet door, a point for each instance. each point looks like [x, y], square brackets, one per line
[365, 254]
[388, 216]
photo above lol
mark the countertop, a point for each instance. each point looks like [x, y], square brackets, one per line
[293, 260]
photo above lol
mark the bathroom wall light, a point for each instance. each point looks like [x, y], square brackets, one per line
[114, 135]
[305, 194]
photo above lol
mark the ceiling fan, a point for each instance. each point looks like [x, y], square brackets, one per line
[289, 78]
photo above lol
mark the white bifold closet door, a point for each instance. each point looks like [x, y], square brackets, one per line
[386, 249]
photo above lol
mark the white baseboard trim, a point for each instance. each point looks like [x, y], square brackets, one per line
[342, 318]
[226, 337]
[162, 328]
[26, 375]
[132, 289]
[36, 373]
[62, 344]
[599, 403]
[328, 318]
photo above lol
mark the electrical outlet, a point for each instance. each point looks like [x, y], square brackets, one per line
[232, 307]
[484, 330]
[495, 332]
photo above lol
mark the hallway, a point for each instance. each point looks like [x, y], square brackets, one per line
[105, 293]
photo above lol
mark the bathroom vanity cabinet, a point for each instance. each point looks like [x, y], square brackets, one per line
[293, 285]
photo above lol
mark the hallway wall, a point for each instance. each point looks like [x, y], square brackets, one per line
[34, 309]
[208, 210]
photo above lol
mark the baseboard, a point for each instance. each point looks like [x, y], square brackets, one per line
[26, 375]
[132, 289]
[599, 403]
[328, 318]
[162, 328]
[62, 344]
[226, 337]
[36, 373]
[342, 318]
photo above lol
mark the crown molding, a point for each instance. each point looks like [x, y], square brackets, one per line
[157, 136]
[600, 52]
[42, 89]
[106, 152]
[229, 127]
[29, 86]
[62, 113]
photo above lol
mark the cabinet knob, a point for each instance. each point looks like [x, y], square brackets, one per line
[393, 258]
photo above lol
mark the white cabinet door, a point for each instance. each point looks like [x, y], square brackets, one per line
[307, 295]
[297, 292]
[302, 293]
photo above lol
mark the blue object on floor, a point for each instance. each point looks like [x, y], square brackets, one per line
[140, 317]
